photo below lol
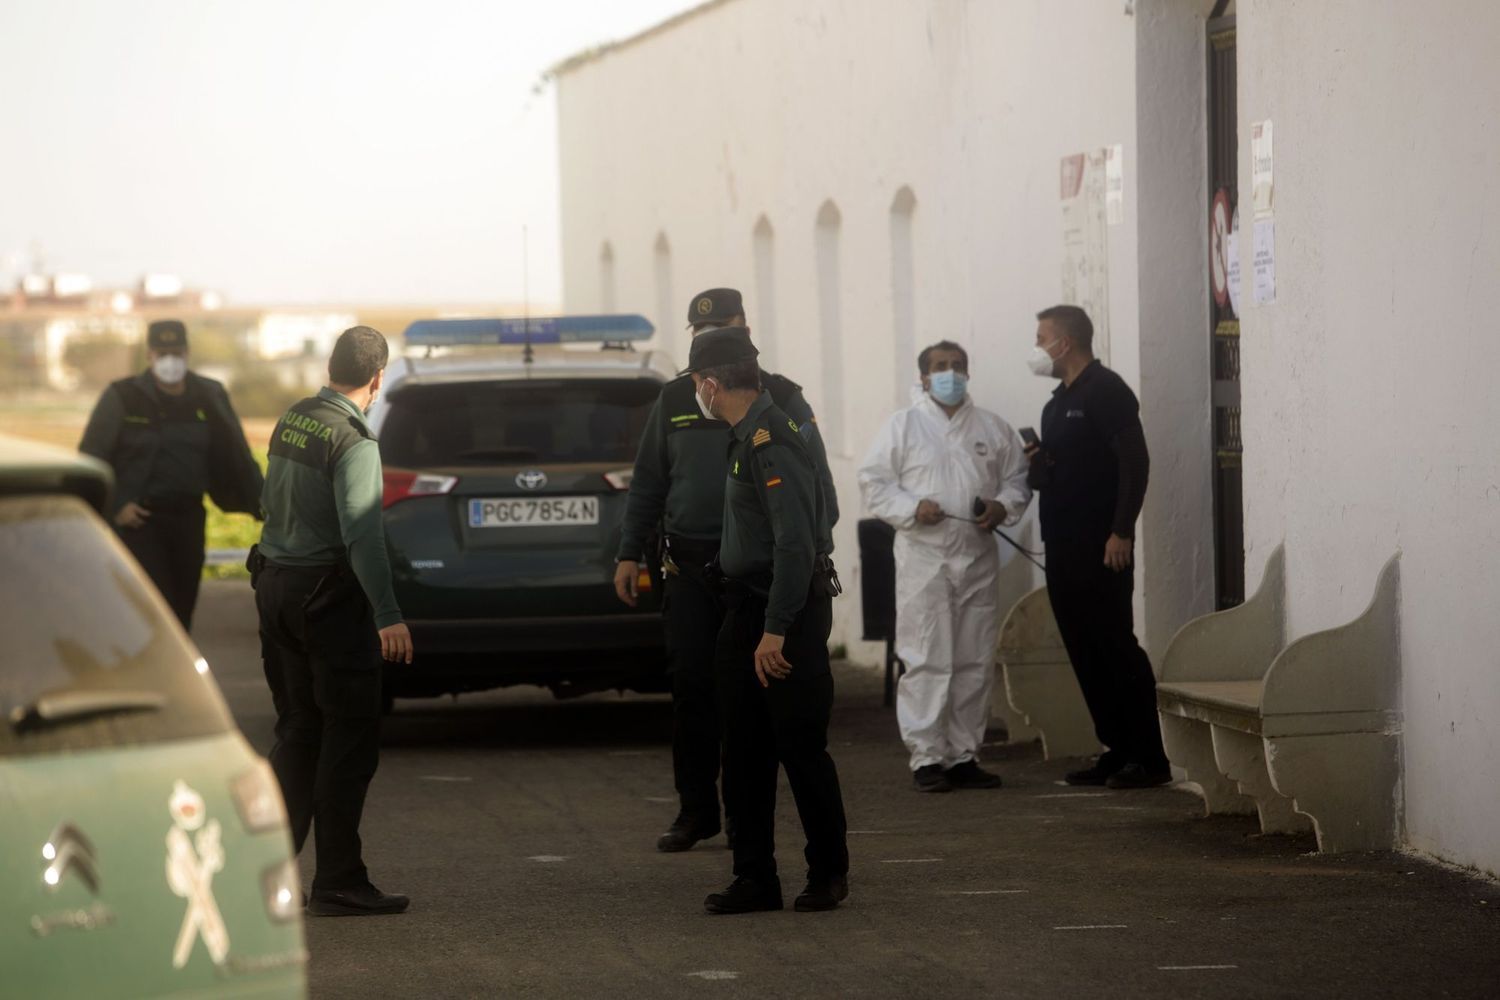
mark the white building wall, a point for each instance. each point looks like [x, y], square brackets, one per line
[1369, 418]
[772, 108]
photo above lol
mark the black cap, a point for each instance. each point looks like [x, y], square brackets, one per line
[723, 346]
[166, 335]
[717, 306]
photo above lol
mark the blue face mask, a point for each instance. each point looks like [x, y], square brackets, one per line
[949, 387]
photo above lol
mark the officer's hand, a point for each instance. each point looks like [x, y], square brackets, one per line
[993, 516]
[627, 572]
[1117, 552]
[929, 512]
[132, 515]
[769, 662]
[395, 643]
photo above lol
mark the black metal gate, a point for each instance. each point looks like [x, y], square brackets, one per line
[1224, 324]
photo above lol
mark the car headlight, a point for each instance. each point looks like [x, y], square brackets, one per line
[257, 797]
[281, 885]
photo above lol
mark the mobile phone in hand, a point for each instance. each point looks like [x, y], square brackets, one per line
[1028, 435]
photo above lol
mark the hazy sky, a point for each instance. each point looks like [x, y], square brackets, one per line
[292, 150]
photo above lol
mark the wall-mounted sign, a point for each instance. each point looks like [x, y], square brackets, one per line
[1262, 190]
[1218, 247]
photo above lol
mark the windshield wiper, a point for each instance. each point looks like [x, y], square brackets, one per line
[64, 707]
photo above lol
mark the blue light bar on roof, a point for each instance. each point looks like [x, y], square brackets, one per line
[543, 330]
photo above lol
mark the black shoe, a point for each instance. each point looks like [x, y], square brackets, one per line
[930, 778]
[745, 895]
[685, 832]
[1137, 776]
[970, 775]
[366, 902]
[822, 894]
[1098, 773]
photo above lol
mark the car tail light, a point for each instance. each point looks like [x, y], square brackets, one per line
[257, 797]
[281, 885]
[620, 478]
[403, 485]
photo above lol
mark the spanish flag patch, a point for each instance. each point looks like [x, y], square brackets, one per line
[762, 437]
[774, 481]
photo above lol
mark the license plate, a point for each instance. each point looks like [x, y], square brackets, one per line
[530, 512]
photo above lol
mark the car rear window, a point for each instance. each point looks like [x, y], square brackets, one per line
[508, 422]
[79, 617]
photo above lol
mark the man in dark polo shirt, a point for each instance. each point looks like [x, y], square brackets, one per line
[1090, 471]
[171, 436]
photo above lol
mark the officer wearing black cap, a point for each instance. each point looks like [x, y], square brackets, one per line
[774, 684]
[678, 488]
[171, 436]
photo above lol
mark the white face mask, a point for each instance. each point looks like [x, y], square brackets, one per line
[170, 368]
[702, 405]
[1040, 362]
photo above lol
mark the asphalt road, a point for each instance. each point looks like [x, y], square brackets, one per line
[524, 830]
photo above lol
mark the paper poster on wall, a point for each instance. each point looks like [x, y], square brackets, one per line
[1085, 266]
[1232, 250]
[1264, 261]
[1114, 184]
[1262, 190]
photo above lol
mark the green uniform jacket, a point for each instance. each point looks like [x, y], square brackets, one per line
[775, 521]
[322, 497]
[127, 429]
[679, 469]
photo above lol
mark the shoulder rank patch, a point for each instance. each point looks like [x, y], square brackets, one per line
[762, 438]
[793, 425]
[774, 481]
[683, 418]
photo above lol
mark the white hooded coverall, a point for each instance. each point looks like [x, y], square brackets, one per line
[947, 601]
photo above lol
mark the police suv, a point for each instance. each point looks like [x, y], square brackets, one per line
[508, 452]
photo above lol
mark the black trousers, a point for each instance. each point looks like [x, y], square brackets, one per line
[785, 724]
[1093, 607]
[693, 617]
[324, 675]
[169, 547]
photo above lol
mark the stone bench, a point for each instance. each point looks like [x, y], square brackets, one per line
[1036, 681]
[1306, 735]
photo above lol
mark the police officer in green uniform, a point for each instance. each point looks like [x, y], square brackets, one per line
[171, 436]
[327, 615]
[678, 487]
[774, 685]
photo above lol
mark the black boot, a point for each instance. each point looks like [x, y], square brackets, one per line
[366, 902]
[746, 895]
[822, 894]
[930, 778]
[686, 831]
[970, 775]
[1140, 776]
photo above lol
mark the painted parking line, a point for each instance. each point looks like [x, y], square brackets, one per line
[864, 833]
[910, 861]
[986, 892]
[713, 974]
[1193, 968]
[1074, 795]
[444, 777]
[660, 799]
[1091, 927]
[547, 859]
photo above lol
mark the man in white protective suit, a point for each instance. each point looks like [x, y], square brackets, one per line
[926, 468]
